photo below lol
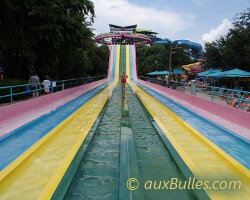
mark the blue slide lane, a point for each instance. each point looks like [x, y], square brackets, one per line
[227, 140]
[131, 63]
[19, 140]
[232, 144]
[16, 142]
[114, 62]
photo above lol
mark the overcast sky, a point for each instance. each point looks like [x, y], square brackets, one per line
[195, 20]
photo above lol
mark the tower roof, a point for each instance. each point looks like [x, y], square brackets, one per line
[122, 28]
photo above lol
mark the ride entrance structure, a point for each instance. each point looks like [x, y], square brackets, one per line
[126, 35]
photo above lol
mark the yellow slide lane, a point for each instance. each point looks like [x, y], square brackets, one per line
[37, 172]
[205, 160]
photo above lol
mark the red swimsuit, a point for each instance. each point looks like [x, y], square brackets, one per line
[123, 79]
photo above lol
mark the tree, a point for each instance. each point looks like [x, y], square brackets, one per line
[48, 37]
[147, 55]
[99, 60]
[232, 50]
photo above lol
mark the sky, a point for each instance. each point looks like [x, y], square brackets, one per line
[195, 20]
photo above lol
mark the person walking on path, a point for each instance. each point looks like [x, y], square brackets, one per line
[53, 85]
[46, 85]
[35, 84]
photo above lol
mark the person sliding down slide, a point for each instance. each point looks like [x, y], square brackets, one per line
[123, 80]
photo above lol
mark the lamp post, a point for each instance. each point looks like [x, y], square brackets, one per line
[170, 74]
[156, 65]
[170, 60]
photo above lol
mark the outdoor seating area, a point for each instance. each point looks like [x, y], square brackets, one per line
[235, 97]
[204, 86]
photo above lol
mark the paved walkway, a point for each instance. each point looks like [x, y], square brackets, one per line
[203, 95]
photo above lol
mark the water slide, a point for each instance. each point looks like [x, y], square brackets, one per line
[209, 150]
[88, 146]
[39, 152]
[124, 145]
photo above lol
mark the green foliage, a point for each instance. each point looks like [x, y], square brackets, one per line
[47, 37]
[99, 60]
[233, 50]
[147, 55]
[8, 82]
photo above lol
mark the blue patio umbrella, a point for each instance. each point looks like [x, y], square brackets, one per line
[158, 73]
[178, 71]
[217, 74]
[201, 78]
[237, 73]
[164, 72]
[234, 73]
[208, 72]
[153, 73]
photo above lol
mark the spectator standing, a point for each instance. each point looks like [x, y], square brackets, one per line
[1, 71]
[166, 80]
[174, 82]
[53, 83]
[46, 85]
[35, 85]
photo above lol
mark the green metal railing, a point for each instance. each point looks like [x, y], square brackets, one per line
[24, 91]
[236, 97]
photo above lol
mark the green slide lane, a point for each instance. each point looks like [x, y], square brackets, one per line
[125, 143]
[97, 175]
[155, 160]
[122, 60]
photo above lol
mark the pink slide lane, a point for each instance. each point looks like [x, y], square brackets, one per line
[230, 118]
[16, 115]
[110, 62]
[134, 64]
